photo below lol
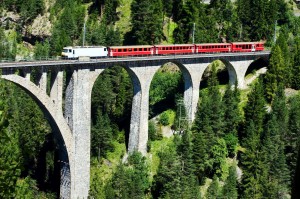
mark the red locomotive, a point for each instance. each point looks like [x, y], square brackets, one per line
[168, 49]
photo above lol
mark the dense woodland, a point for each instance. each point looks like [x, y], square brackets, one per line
[242, 144]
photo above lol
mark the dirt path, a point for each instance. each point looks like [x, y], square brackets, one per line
[249, 80]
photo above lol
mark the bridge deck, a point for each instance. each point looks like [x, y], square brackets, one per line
[201, 57]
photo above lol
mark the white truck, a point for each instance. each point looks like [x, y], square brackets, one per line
[87, 51]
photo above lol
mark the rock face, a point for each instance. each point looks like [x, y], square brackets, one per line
[39, 29]
[41, 26]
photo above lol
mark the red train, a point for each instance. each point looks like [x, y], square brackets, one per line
[114, 51]
[146, 50]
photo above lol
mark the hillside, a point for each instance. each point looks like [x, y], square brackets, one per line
[242, 143]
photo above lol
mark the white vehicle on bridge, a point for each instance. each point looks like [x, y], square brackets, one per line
[86, 51]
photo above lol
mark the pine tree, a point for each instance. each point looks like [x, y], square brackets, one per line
[130, 180]
[10, 167]
[167, 181]
[213, 190]
[292, 138]
[233, 118]
[255, 110]
[200, 155]
[252, 160]
[146, 21]
[275, 73]
[189, 182]
[296, 68]
[230, 186]
[273, 146]
[101, 136]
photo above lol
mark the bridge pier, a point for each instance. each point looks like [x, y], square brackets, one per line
[42, 79]
[56, 88]
[192, 78]
[78, 116]
[240, 68]
[80, 83]
[141, 78]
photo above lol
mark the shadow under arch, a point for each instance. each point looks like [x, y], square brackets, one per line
[121, 123]
[257, 65]
[169, 99]
[226, 75]
[61, 131]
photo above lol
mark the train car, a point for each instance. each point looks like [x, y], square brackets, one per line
[116, 51]
[86, 51]
[213, 47]
[174, 49]
[247, 46]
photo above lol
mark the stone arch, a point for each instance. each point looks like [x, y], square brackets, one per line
[258, 65]
[59, 126]
[232, 75]
[184, 74]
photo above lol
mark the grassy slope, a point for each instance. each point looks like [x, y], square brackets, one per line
[124, 12]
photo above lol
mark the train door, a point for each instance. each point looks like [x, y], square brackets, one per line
[253, 48]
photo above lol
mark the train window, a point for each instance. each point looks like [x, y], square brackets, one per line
[104, 49]
[70, 50]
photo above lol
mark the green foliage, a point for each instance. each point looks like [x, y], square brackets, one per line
[130, 180]
[254, 110]
[27, 188]
[167, 118]
[42, 50]
[27, 146]
[166, 183]
[101, 136]
[7, 48]
[258, 17]
[231, 144]
[213, 190]
[292, 138]
[296, 68]
[146, 20]
[231, 100]
[164, 86]
[275, 73]
[67, 28]
[219, 154]
[254, 169]
[230, 185]
[210, 113]
[10, 165]
[28, 9]
[112, 95]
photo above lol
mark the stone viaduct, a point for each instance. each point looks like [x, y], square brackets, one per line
[73, 124]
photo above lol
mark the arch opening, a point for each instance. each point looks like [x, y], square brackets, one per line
[256, 68]
[166, 86]
[111, 106]
[43, 149]
[224, 72]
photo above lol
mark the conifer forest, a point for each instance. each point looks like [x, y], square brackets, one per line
[242, 144]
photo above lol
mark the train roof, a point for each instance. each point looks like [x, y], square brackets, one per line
[75, 47]
[213, 44]
[139, 46]
[254, 42]
[168, 45]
